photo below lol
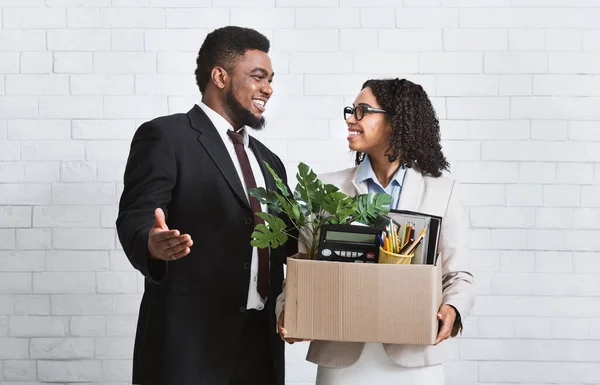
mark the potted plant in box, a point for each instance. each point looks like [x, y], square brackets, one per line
[310, 206]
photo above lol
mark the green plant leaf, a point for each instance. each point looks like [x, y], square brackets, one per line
[304, 208]
[333, 220]
[285, 205]
[313, 204]
[280, 185]
[325, 190]
[269, 198]
[329, 189]
[341, 206]
[272, 235]
[321, 194]
[296, 212]
[308, 186]
[370, 206]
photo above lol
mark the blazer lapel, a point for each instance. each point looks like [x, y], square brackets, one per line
[360, 188]
[412, 190]
[212, 142]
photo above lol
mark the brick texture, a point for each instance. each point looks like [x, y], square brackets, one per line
[515, 83]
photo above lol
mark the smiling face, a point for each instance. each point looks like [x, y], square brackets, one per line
[372, 133]
[249, 89]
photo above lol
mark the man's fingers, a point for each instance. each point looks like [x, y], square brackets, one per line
[159, 219]
[173, 254]
[179, 248]
[175, 241]
[182, 253]
[169, 244]
[166, 235]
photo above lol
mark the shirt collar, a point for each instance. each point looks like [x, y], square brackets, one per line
[222, 125]
[365, 172]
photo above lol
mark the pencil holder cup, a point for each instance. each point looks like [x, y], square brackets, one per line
[394, 259]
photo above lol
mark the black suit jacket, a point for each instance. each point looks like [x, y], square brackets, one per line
[192, 311]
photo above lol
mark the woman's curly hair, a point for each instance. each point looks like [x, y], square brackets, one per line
[415, 138]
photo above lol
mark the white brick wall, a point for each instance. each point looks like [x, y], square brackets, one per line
[516, 84]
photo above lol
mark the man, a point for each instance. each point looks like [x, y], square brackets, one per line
[185, 222]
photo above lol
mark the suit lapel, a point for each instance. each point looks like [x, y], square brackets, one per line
[412, 190]
[212, 142]
[359, 188]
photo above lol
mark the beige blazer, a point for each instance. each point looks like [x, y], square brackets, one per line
[436, 196]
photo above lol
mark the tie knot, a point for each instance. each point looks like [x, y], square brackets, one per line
[236, 138]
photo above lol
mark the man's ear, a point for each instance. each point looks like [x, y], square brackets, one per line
[219, 77]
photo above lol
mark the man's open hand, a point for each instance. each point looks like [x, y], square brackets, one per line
[166, 244]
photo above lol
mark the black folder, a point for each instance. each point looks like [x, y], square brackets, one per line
[432, 236]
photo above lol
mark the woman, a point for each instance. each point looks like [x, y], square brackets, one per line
[394, 130]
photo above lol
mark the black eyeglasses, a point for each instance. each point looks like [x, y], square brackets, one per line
[359, 111]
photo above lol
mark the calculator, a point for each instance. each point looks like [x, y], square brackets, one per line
[348, 243]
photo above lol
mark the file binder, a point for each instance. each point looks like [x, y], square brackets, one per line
[427, 252]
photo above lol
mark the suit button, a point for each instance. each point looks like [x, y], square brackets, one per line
[248, 221]
[246, 266]
[242, 309]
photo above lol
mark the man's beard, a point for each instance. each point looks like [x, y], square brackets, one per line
[243, 115]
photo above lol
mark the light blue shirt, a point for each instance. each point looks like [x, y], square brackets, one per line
[365, 173]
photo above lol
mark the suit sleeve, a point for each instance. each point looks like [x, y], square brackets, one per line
[458, 288]
[150, 175]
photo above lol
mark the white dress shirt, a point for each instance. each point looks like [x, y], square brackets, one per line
[222, 125]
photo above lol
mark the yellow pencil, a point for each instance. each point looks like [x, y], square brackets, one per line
[403, 234]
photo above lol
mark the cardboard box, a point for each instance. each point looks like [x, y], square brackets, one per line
[361, 302]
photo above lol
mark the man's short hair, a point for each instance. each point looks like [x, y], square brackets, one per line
[222, 47]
